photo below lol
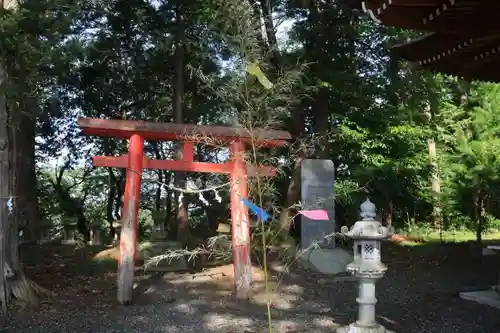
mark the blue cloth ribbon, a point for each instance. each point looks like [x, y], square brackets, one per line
[261, 214]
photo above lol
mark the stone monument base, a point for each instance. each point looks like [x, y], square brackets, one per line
[159, 235]
[151, 249]
[355, 328]
[326, 261]
[95, 237]
[485, 297]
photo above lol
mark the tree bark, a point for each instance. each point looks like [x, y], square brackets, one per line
[292, 194]
[158, 203]
[111, 200]
[5, 193]
[272, 40]
[437, 216]
[159, 189]
[435, 185]
[111, 192]
[13, 282]
[120, 189]
[260, 38]
[184, 235]
[168, 225]
[479, 216]
[387, 216]
[27, 197]
[292, 189]
[320, 120]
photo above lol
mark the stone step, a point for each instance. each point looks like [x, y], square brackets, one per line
[491, 250]
[326, 261]
[151, 249]
[224, 228]
[486, 297]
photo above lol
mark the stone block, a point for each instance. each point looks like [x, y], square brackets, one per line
[317, 192]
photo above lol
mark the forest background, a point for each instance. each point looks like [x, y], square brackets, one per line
[424, 147]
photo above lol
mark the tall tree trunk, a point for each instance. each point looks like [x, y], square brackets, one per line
[291, 197]
[168, 225]
[5, 193]
[256, 6]
[184, 235]
[320, 120]
[26, 184]
[479, 216]
[13, 282]
[159, 189]
[435, 185]
[387, 216]
[110, 201]
[272, 40]
[158, 204]
[292, 188]
[112, 184]
[437, 216]
[120, 189]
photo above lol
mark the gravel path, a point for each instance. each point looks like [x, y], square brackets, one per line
[419, 294]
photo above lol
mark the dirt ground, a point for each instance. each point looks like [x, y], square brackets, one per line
[418, 294]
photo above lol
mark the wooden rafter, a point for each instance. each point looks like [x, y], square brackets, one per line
[450, 16]
[470, 58]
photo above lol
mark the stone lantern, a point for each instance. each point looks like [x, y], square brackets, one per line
[117, 225]
[367, 267]
[44, 227]
[69, 230]
[159, 231]
[95, 233]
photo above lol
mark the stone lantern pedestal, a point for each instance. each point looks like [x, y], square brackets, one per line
[69, 230]
[44, 229]
[367, 267]
[118, 230]
[159, 232]
[95, 234]
[158, 245]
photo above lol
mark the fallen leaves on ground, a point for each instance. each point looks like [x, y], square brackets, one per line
[67, 269]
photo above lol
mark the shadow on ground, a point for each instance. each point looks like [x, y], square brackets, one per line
[418, 294]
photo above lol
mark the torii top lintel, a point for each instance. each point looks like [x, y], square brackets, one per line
[180, 132]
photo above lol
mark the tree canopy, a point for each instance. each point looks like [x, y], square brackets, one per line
[422, 146]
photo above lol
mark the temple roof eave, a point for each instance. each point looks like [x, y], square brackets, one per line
[470, 58]
[450, 16]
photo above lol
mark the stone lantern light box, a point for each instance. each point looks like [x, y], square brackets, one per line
[367, 250]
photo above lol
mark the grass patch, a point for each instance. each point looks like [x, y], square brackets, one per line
[421, 236]
[96, 267]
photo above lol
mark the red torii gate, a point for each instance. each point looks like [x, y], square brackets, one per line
[135, 161]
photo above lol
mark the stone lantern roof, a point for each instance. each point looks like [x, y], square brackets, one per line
[367, 227]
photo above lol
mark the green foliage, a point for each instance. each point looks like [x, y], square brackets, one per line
[331, 83]
[334, 86]
[471, 157]
[145, 224]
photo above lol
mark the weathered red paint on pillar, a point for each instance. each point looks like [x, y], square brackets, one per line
[240, 224]
[128, 238]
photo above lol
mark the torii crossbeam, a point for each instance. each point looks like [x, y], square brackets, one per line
[135, 161]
